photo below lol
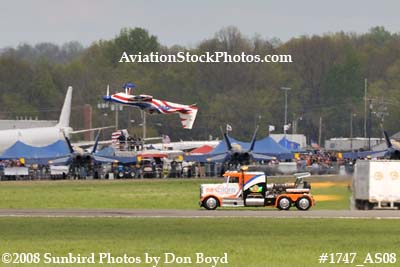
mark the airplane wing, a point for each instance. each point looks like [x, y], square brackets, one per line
[380, 154]
[220, 157]
[103, 159]
[141, 98]
[86, 144]
[188, 118]
[126, 99]
[261, 157]
[61, 161]
[91, 129]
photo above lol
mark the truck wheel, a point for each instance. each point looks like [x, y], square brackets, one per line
[368, 206]
[284, 203]
[211, 203]
[303, 203]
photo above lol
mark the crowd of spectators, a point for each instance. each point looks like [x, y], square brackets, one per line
[319, 162]
[129, 143]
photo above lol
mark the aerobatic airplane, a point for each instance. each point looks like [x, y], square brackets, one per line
[187, 113]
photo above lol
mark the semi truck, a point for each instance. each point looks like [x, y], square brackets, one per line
[250, 189]
[376, 184]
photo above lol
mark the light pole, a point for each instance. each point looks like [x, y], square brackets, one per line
[113, 107]
[144, 124]
[286, 89]
[103, 108]
[369, 123]
[351, 130]
[295, 123]
[116, 107]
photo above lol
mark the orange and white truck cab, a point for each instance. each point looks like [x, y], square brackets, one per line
[250, 189]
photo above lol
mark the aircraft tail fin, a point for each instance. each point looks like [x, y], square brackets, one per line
[71, 149]
[96, 143]
[388, 142]
[227, 142]
[66, 109]
[187, 119]
[253, 140]
[226, 139]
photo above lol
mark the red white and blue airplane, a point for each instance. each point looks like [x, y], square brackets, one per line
[147, 103]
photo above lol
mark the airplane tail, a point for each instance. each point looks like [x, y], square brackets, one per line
[387, 139]
[187, 119]
[96, 143]
[227, 142]
[66, 110]
[253, 140]
[71, 149]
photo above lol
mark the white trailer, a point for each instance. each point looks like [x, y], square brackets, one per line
[376, 184]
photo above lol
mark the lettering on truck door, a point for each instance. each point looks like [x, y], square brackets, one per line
[230, 188]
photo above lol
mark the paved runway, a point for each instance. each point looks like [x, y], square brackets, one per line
[158, 213]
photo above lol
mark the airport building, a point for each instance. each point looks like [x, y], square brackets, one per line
[351, 144]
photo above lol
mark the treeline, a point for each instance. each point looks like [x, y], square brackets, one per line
[326, 78]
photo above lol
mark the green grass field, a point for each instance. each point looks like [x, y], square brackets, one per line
[248, 241]
[135, 194]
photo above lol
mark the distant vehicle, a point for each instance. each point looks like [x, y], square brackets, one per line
[151, 168]
[235, 155]
[250, 189]
[147, 103]
[127, 171]
[376, 184]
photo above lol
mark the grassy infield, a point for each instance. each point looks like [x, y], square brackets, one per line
[248, 241]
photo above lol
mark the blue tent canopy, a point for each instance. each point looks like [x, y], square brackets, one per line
[32, 154]
[269, 147]
[22, 150]
[290, 145]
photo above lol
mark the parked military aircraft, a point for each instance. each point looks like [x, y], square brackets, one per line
[81, 159]
[392, 152]
[235, 155]
[187, 113]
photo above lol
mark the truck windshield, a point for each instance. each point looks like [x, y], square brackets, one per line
[231, 180]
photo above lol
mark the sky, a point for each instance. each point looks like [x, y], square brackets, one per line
[187, 23]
